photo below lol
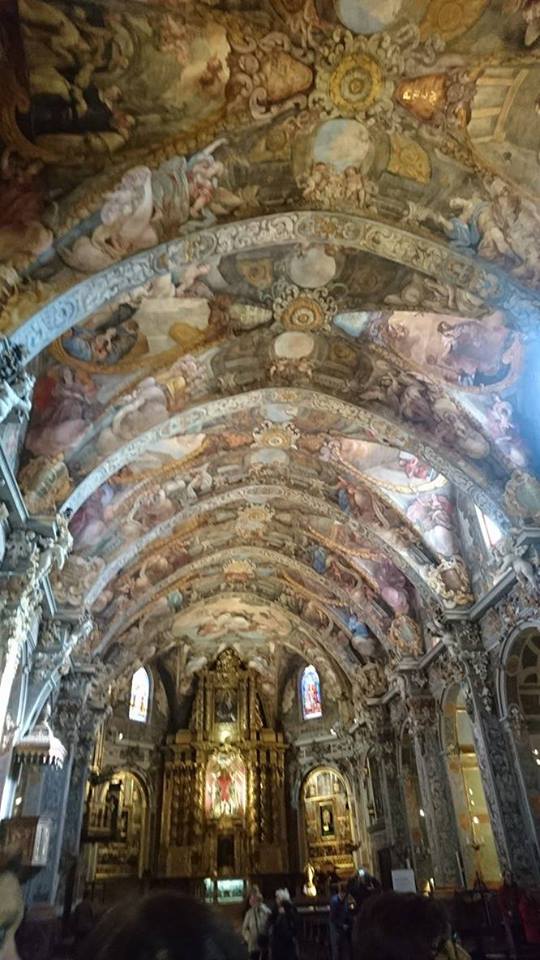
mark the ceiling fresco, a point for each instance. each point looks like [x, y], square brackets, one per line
[274, 268]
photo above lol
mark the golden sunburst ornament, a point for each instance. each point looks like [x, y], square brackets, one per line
[239, 570]
[306, 312]
[356, 84]
[253, 520]
[276, 435]
[354, 75]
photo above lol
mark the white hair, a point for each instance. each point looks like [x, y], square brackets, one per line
[283, 895]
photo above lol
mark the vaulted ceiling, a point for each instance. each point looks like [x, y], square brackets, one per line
[275, 268]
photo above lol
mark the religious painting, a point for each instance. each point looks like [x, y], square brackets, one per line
[473, 354]
[225, 794]
[311, 694]
[225, 706]
[326, 814]
[398, 471]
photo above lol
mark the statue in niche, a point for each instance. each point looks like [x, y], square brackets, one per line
[112, 803]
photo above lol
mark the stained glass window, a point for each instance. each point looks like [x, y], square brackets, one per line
[140, 696]
[311, 694]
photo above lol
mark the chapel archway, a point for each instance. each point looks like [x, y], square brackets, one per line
[328, 822]
[116, 827]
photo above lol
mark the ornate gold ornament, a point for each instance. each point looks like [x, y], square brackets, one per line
[405, 635]
[239, 569]
[350, 79]
[450, 579]
[408, 159]
[45, 482]
[451, 18]
[297, 310]
[253, 520]
[356, 76]
[356, 84]
[270, 434]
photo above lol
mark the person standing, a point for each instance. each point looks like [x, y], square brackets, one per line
[284, 928]
[340, 924]
[255, 927]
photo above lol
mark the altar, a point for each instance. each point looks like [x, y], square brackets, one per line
[223, 786]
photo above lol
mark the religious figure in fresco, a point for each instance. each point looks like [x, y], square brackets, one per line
[393, 586]
[64, 406]
[469, 352]
[433, 513]
[502, 426]
[148, 206]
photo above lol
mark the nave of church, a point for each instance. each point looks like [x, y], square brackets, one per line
[269, 450]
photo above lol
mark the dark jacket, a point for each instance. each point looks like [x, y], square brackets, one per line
[284, 929]
[340, 917]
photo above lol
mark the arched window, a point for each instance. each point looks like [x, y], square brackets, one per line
[490, 531]
[140, 696]
[311, 694]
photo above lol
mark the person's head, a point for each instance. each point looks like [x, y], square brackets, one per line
[255, 897]
[11, 905]
[163, 926]
[282, 896]
[342, 890]
[399, 926]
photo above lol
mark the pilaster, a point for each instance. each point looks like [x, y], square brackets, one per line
[435, 791]
[515, 838]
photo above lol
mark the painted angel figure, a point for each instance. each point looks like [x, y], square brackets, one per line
[204, 173]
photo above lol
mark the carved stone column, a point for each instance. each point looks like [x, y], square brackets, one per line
[21, 596]
[71, 840]
[435, 792]
[515, 726]
[515, 838]
[379, 736]
[55, 795]
[31, 553]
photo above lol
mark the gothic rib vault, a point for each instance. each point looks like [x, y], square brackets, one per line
[272, 276]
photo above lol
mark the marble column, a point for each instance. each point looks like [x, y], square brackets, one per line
[515, 838]
[435, 793]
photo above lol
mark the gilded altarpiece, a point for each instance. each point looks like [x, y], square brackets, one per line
[328, 821]
[223, 785]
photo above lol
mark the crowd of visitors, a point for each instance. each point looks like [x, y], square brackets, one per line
[364, 923]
